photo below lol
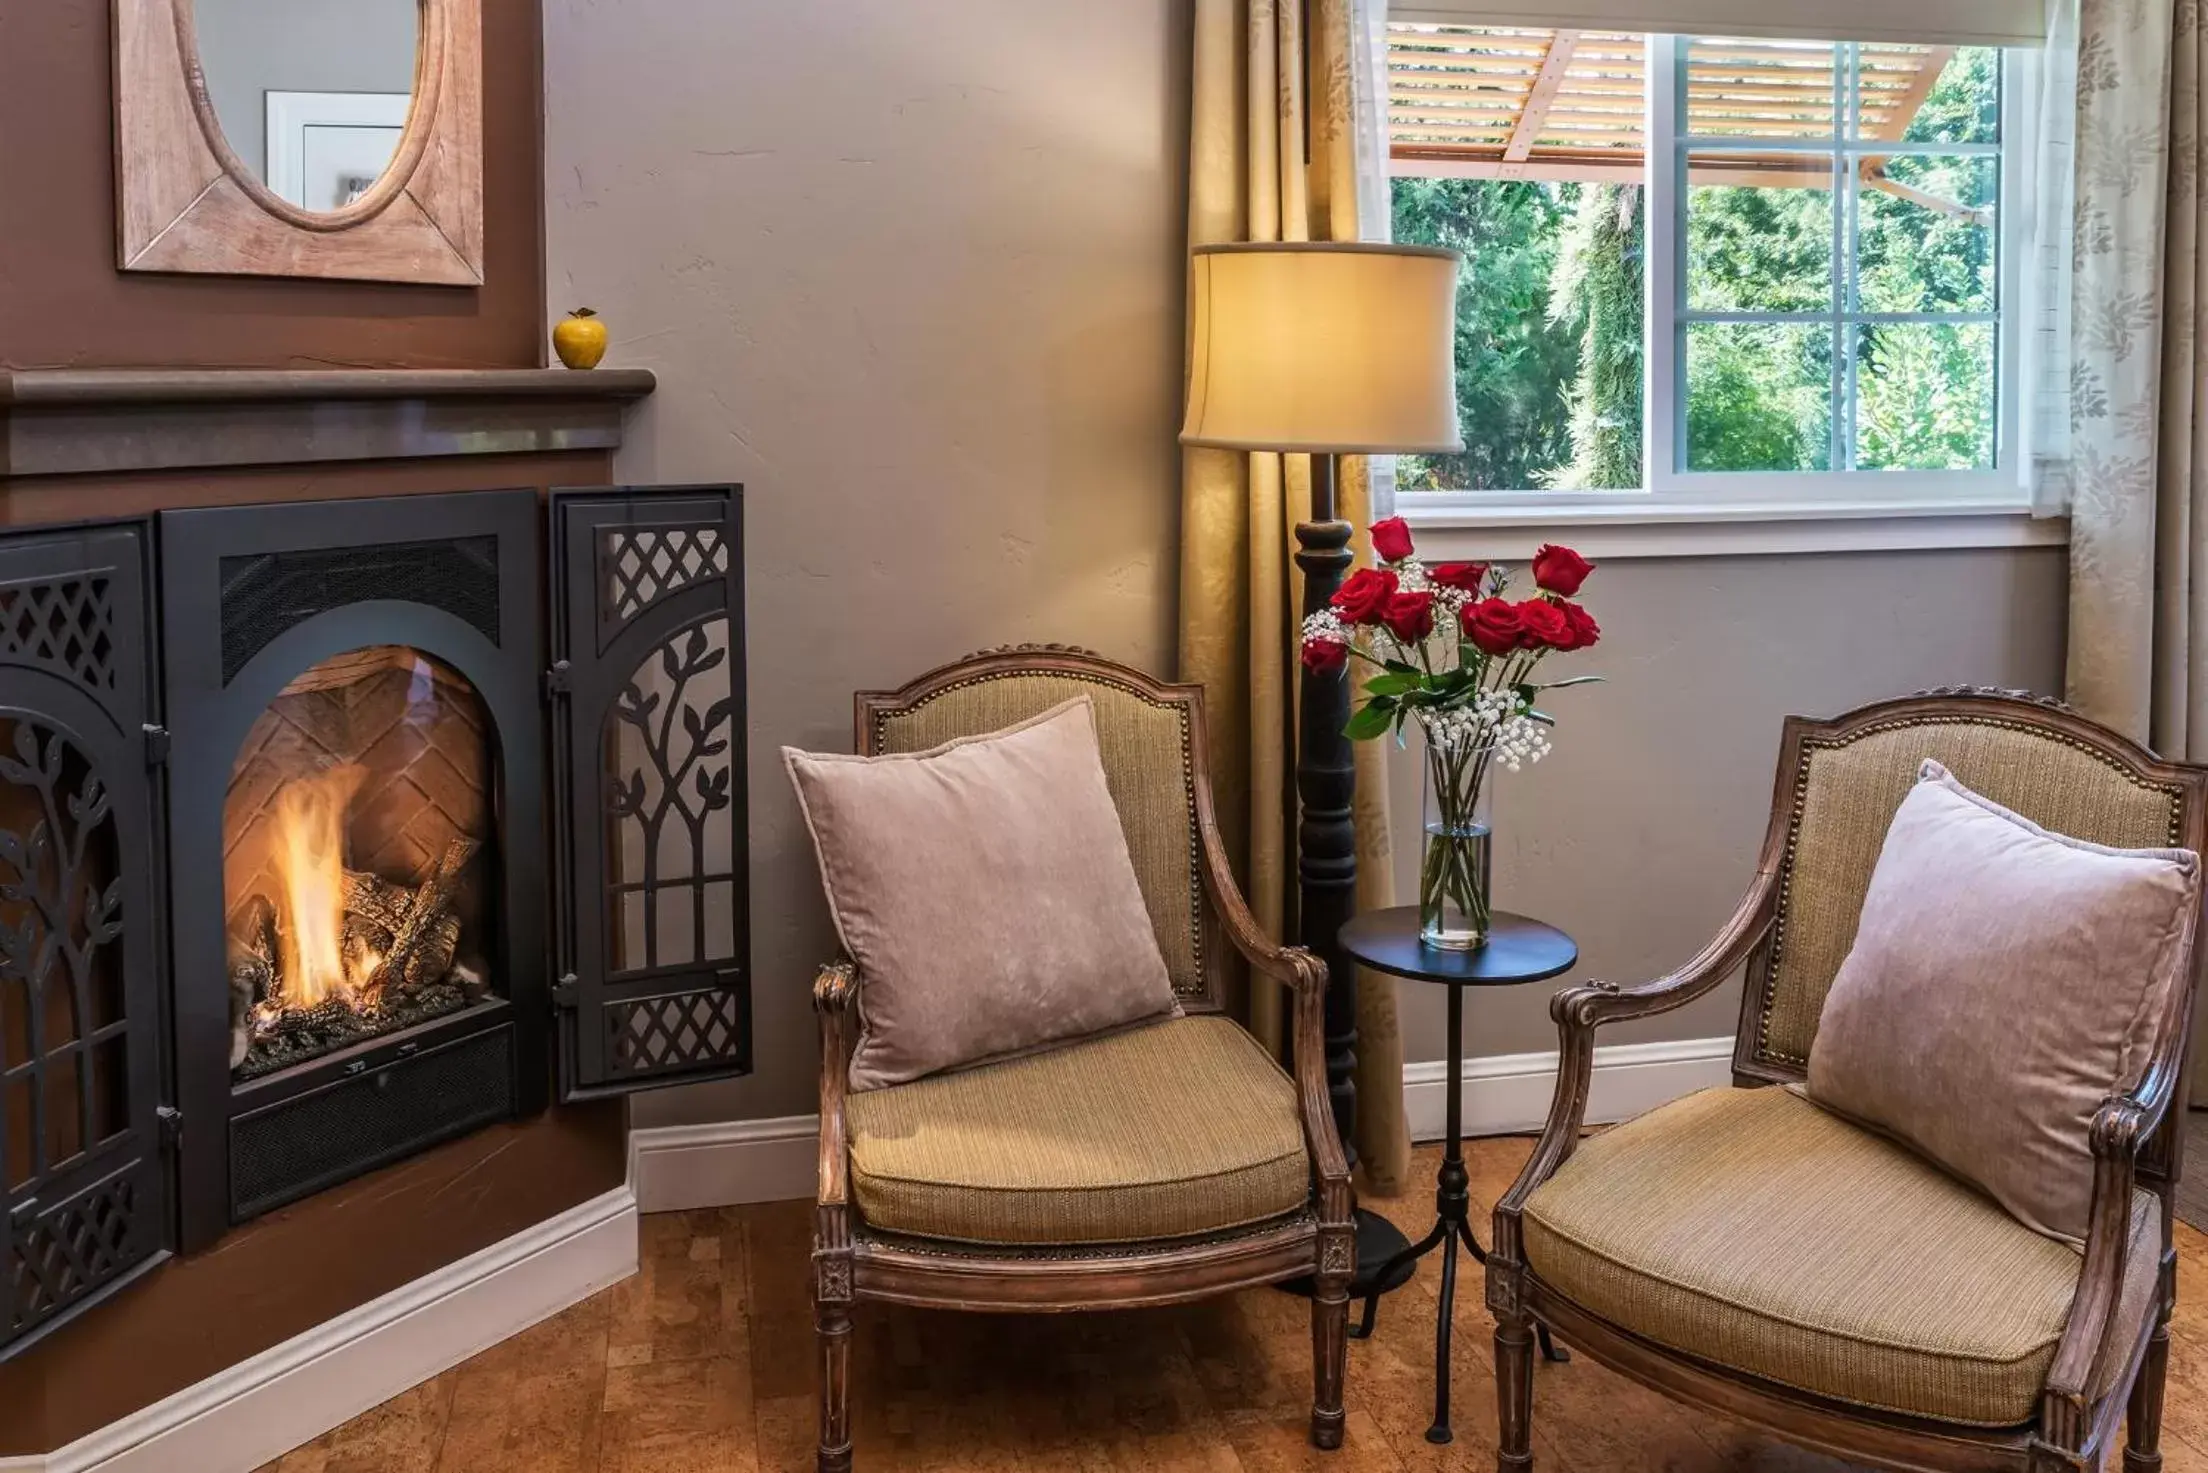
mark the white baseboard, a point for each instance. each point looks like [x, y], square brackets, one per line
[1505, 1093]
[675, 1167]
[294, 1392]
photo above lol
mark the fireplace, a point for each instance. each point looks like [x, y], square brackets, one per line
[356, 843]
[331, 831]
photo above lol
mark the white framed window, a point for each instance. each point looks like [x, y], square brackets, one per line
[1720, 280]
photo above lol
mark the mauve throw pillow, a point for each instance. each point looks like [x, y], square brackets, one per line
[2004, 981]
[985, 891]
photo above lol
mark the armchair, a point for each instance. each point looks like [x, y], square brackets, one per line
[1227, 1175]
[1744, 1252]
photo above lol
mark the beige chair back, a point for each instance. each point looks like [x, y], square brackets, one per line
[1150, 734]
[1840, 782]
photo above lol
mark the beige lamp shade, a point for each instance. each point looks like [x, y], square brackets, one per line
[1325, 347]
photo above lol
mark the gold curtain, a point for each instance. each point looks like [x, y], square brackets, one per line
[1272, 157]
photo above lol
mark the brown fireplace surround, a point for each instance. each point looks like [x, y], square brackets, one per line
[483, 813]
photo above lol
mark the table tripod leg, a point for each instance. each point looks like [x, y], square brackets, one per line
[1472, 1244]
[1439, 1432]
[1363, 1329]
[1550, 1350]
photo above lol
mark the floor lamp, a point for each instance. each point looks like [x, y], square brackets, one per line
[1326, 349]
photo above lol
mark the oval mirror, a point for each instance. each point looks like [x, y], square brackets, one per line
[312, 95]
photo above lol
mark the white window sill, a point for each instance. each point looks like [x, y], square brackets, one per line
[1632, 526]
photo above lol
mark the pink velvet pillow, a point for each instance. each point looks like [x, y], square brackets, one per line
[2004, 982]
[985, 890]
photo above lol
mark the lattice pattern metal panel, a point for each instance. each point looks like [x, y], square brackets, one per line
[266, 594]
[653, 929]
[71, 1253]
[66, 625]
[654, 1035]
[83, 1171]
[645, 564]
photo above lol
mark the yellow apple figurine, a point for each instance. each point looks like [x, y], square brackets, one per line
[580, 338]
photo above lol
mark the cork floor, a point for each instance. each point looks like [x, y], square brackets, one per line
[702, 1363]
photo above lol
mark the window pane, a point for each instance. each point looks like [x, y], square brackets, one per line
[1924, 396]
[1759, 396]
[1963, 104]
[1926, 241]
[1549, 330]
[1758, 247]
[1746, 88]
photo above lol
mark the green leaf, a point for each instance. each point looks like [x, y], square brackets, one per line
[1371, 720]
[1574, 680]
[1394, 683]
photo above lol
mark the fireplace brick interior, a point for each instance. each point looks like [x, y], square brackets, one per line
[396, 745]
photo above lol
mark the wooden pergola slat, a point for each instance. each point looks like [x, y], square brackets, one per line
[1542, 97]
[1518, 103]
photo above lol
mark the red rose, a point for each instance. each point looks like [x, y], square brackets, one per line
[1494, 624]
[1391, 540]
[1544, 624]
[1560, 570]
[1410, 616]
[1585, 631]
[1465, 576]
[1324, 656]
[1363, 596]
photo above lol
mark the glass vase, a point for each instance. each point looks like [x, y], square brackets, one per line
[1456, 865]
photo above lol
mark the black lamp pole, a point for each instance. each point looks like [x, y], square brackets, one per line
[1326, 784]
[1326, 864]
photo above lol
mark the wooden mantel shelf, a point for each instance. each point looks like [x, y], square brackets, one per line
[60, 422]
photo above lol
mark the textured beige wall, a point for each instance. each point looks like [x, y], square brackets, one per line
[1639, 832]
[916, 282]
[912, 273]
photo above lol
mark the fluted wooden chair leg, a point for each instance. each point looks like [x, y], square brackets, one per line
[832, 1326]
[1329, 1360]
[1514, 1394]
[2143, 1414]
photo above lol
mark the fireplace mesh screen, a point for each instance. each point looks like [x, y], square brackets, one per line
[290, 1150]
[265, 594]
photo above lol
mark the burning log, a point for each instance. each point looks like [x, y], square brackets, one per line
[421, 947]
[253, 979]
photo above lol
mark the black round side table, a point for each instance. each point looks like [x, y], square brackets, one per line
[1518, 950]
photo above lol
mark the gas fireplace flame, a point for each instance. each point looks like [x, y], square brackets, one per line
[309, 861]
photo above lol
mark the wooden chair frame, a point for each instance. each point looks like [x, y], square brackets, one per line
[852, 1263]
[2137, 1137]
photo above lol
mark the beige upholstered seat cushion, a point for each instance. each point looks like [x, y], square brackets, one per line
[1176, 1129]
[985, 890]
[1749, 1228]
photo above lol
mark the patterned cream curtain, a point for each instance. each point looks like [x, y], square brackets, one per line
[1273, 155]
[2138, 453]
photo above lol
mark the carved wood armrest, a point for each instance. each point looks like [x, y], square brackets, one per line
[1291, 965]
[835, 999]
[1305, 976]
[1579, 1011]
[2093, 1346]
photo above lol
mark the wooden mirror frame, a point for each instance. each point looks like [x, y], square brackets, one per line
[186, 201]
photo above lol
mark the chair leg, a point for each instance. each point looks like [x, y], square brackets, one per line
[1329, 1360]
[2143, 1416]
[832, 1327]
[1514, 1394]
